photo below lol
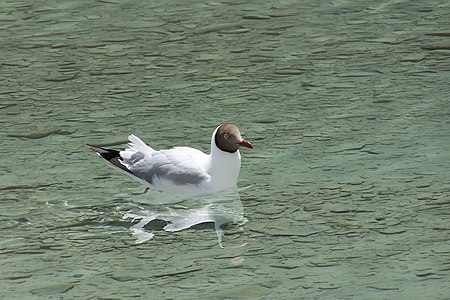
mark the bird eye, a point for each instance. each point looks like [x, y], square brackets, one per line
[226, 136]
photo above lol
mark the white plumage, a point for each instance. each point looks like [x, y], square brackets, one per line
[183, 169]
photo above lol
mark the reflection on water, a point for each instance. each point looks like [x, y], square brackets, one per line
[224, 208]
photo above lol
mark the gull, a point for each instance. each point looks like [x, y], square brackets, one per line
[182, 170]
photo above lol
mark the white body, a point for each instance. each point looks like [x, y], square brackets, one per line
[182, 169]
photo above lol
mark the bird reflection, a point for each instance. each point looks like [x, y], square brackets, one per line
[183, 212]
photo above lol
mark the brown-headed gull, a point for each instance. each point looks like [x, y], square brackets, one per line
[183, 169]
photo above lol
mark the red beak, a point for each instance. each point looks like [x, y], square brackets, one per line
[246, 144]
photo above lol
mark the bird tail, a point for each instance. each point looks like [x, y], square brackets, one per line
[137, 145]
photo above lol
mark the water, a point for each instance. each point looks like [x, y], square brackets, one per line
[346, 103]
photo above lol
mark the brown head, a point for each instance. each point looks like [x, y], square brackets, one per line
[229, 139]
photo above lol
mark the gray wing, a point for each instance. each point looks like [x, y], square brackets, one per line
[180, 166]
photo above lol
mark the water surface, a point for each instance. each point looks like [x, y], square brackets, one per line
[345, 102]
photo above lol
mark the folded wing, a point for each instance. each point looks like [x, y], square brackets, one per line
[174, 167]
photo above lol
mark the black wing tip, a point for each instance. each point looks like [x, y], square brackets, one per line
[96, 149]
[107, 154]
[111, 155]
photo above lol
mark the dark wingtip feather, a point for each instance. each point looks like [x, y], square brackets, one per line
[111, 155]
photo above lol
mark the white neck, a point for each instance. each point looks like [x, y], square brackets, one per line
[224, 166]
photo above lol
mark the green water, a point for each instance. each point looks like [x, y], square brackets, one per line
[346, 104]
